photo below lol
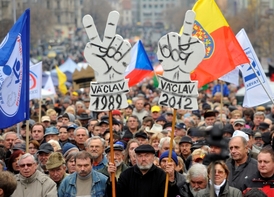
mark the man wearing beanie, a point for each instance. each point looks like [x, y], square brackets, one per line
[144, 179]
[85, 181]
[169, 167]
[56, 167]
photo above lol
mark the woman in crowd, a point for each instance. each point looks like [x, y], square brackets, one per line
[221, 187]
[12, 164]
[129, 158]
[70, 163]
[154, 142]
[33, 147]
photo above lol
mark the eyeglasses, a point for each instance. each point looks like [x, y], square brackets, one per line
[26, 164]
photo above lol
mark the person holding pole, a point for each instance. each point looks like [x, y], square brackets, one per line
[144, 179]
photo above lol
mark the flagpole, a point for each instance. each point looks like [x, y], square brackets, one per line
[40, 110]
[261, 83]
[170, 149]
[27, 136]
[113, 178]
[14, 11]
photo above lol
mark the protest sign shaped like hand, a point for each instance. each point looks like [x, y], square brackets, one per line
[179, 55]
[109, 59]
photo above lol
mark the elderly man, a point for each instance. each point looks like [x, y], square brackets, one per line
[240, 165]
[43, 155]
[144, 179]
[31, 182]
[56, 167]
[8, 184]
[264, 176]
[164, 144]
[86, 181]
[196, 178]
[96, 146]
[80, 136]
[118, 160]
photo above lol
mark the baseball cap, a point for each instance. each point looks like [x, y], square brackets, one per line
[45, 118]
[155, 108]
[45, 148]
[239, 121]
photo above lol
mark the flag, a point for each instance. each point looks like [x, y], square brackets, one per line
[35, 81]
[139, 66]
[62, 78]
[223, 52]
[49, 85]
[14, 73]
[255, 87]
[232, 77]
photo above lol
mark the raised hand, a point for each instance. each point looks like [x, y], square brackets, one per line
[180, 54]
[110, 57]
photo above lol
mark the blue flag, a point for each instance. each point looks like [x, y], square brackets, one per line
[14, 73]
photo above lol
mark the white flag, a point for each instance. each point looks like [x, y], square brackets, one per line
[255, 87]
[35, 81]
[231, 77]
[49, 85]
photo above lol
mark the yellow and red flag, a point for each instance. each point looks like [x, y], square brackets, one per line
[223, 52]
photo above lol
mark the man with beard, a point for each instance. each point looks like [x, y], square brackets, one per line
[118, 160]
[147, 179]
[95, 146]
[196, 178]
[85, 181]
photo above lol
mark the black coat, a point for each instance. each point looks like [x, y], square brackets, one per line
[238, 175]
[134, 184]
[257, 181]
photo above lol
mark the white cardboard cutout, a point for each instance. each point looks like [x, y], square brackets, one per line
[179, 55]
[109, 59]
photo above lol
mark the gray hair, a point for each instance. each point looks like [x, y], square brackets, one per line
[80, 103]
[84, 128]
[197, 170]
[165, 139]
[87, 143]
[6, 134]
[25, 156]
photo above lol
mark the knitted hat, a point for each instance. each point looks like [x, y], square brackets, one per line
[55, 160]
[67, 148]
[173, 156]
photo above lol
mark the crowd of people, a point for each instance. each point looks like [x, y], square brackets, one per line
[221, 148]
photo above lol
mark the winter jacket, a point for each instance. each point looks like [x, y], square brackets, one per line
[68, 185]
[237, 176]
[36, 185]
[135, 184]
[225, 191]
[257, 181]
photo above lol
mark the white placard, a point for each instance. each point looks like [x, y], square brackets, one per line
[179, 55]
[109, 59]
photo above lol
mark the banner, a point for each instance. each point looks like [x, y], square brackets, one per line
[254, 84]
[14, 73]
[35, 81]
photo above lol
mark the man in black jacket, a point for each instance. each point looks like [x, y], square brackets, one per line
[144, 179]
[263, 178]
[241, 166]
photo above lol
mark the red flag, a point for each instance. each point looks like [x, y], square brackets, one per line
[223, 52]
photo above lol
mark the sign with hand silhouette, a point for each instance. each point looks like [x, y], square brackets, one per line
[109, 58]
[179, 55]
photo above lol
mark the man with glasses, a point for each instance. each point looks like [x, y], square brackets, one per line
[31, 182]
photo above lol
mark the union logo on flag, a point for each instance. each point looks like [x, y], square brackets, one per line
[205, 37]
